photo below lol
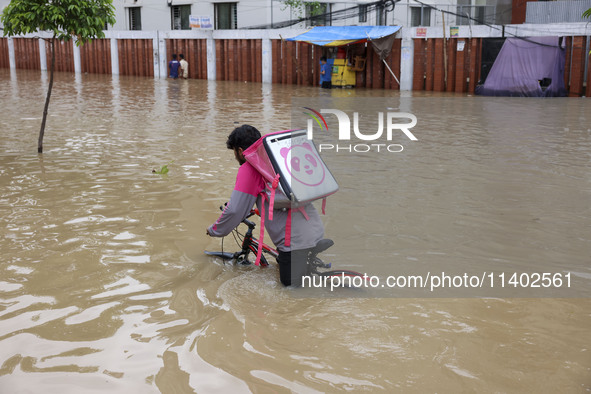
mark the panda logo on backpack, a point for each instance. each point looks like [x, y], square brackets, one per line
[303, 164]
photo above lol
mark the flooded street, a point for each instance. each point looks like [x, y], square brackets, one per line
[104, 284]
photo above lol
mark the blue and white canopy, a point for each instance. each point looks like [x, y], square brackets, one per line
[334, 36]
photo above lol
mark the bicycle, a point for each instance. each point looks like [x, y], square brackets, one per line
[249, 243]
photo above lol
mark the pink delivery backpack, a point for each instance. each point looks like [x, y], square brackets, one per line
[294, 174]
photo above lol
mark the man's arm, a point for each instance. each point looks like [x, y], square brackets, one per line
[249, 183]
[237, 209]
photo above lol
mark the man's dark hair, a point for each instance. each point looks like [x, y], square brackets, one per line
[182, 56]
[243, 137]
[323, 59]
[174, 56]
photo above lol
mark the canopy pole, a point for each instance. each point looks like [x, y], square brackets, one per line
[384, 60]
[391, 72]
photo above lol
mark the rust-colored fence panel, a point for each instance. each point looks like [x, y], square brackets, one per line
[296, 63]
[376, 75]
[276, 63]
[577, 67]
[239, 60]
[195, 52]
[450, 78]
[316, 55]
[429, 63]
[439, 66]
[475, 63]
[463, 66]
[26, 53]
[64, 55]
[568, 45]
[588, 92]
[305, 71]
[136, 57]
[420, 62]
[394, 62]
[95, 57]
[4, 55]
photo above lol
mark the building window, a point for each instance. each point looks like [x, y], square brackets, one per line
[318, 14]
[362, 13]
[179, 15]
[475, 15]
[420, 16]
[135, 18]
[225, 16]
[481, 15]
[464, 15]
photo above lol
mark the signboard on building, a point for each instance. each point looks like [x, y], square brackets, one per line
[454, 31]
[421, 32]
[200, 22]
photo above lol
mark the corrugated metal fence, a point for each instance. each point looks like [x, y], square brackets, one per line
[195, 52]
[136, 57]
[578, 60]
[64, 56]
[294, 62]
[239, 60]
[463, 64]
[556, 11]
[4, 59]
[27, 53]
[95, 57]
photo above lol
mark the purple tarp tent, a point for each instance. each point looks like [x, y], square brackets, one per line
[522, 64]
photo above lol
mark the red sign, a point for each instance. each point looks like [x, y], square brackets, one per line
[421, 32]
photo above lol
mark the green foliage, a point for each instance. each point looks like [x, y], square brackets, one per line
[66, 19]
[164, 169]
[299, 7]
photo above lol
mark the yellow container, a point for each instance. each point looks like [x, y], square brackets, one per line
[342, 76]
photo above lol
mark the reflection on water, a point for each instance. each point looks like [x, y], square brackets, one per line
[104, 285]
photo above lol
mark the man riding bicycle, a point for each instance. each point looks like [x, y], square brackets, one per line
[305, 232]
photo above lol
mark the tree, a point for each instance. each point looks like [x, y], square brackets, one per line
[299, 7]
[81, 20]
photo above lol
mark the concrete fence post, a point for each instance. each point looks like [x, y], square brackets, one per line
[162, 70]
[266, 63]
[211, 68]
[407, 54]
[77, 62]
[114, 57]
[11, 56]
[42, 55]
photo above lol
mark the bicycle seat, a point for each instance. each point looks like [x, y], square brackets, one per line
[322, 245]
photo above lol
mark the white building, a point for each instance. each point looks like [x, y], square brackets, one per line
[174, 14]
[166, 15]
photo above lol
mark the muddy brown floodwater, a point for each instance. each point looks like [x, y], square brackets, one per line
[104, 285]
